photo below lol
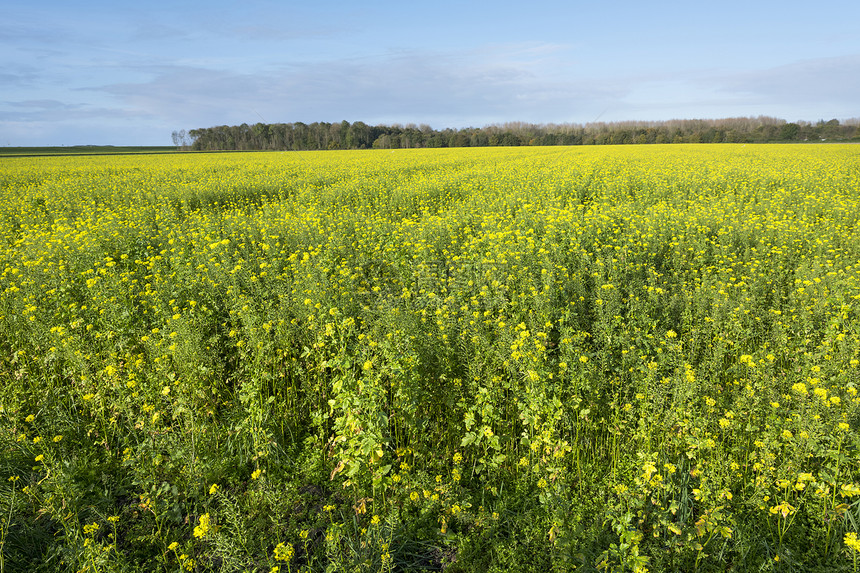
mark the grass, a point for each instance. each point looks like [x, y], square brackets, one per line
[82, 150]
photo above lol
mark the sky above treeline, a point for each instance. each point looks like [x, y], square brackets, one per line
[122, 73]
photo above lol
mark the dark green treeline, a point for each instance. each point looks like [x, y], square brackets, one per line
[358, 135]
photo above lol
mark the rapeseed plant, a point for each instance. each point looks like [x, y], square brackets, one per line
[629, 348]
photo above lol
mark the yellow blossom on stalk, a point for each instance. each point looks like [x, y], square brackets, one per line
[783, 508]
[851, 541]
[648, 470]
[203, 526]
[284, 552]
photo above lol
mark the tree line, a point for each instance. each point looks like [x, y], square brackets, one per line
[358, 135]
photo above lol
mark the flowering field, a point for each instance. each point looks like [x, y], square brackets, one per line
[603, 359]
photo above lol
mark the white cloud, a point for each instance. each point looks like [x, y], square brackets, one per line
[835, 79]
[506, 83]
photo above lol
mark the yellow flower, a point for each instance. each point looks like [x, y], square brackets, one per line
[284, 552]
[204, 525]
[784, 509]
[852, 541]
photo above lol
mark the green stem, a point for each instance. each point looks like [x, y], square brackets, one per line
[6, 531]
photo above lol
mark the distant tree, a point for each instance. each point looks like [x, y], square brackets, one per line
[181, 138]
[829, 129]
[260, 136]
[358, 136]
[789, 131]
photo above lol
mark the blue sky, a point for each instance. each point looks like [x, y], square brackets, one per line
[98, 72]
